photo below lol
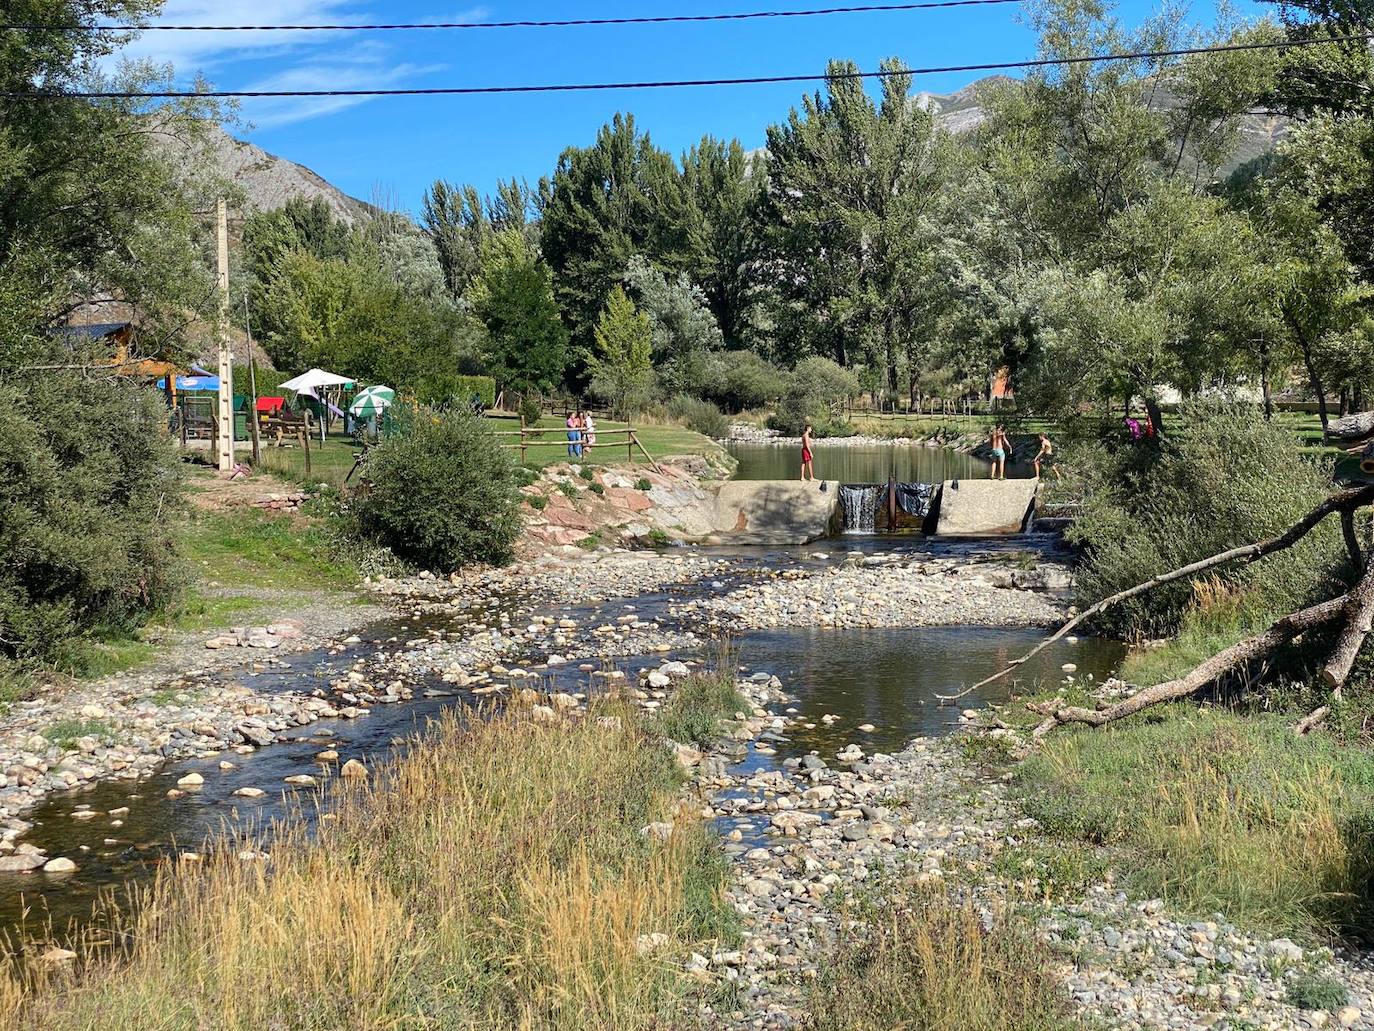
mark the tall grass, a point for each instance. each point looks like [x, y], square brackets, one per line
[1212, 812]
[913, 960]
[697, 705]
[495, 876]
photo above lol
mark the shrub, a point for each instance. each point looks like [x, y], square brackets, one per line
[816, 392]
[440, 494]
[737, 380]
[698, 704]
[597, 489]
[701, 416]
[538, 502]
[1221, 478]
[88, 480]
[454, 391]
[643, 484]
[531, 409]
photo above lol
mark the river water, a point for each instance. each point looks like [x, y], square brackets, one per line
[888, 678]
[863, 463]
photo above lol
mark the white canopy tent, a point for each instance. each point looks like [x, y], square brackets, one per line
[312, 382]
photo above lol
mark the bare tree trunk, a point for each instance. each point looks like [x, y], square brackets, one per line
[1352, 542]
[1359, 617]
[1345, 500]
[1315, 379]
[1240, 654]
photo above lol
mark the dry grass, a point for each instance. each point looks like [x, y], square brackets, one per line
[912, 960]
[1216, 812]
[494, 877]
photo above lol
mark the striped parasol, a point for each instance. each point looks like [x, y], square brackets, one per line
[372, 401]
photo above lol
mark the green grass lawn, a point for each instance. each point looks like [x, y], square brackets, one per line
[330, 462]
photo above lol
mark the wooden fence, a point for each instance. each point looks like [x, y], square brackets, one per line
[557, 436]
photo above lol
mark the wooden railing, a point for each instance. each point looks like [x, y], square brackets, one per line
[532, 436]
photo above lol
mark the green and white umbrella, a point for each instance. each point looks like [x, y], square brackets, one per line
[372, 401]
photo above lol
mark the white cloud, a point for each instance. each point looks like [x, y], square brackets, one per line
[304, 60]
[190, 52]
[364, 66]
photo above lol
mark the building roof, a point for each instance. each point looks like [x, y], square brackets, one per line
[96, 331]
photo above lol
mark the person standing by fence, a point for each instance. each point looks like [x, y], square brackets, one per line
[574, 436]
[588, 434]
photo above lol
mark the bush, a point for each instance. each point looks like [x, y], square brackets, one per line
[701, 416]
[531, 409]
[88, 481]
[816, 392]
[441, 493]
[737, 380]
[1221, 478]
[455, 391]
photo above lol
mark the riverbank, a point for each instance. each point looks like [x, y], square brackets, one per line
[940, 830]
[531, 869]
[928, 822]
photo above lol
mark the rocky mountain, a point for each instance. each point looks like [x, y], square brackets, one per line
[265, 180]
[962, 111]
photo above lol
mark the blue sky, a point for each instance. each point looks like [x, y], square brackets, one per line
[400, 145]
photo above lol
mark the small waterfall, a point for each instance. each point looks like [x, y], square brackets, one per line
[860, 503]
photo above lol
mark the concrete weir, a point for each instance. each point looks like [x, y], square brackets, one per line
[792, 512]
[973, 508]
[777, 511]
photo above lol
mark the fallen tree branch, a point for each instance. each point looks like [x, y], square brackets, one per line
[1281, 631]
[1312, 720]
[1359, 619]
[1352, 541]
[1347, 500]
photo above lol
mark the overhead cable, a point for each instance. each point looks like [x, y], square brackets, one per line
[665, 19]
[753, 80]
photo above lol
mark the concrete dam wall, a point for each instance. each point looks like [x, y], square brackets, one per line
[793, 512]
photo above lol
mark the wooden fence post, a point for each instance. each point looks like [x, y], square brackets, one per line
[305, 437]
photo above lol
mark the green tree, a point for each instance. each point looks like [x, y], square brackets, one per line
[852, 209]
[527, 345]
[619, 197]
[622, 371]
[91, 214]
[724, 185]
[685, 332]
[461, 221]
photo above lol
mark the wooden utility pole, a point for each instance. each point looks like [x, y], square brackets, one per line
[226, 361]
[252, 386]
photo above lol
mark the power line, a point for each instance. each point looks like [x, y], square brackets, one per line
[754, 80]
[665, 19]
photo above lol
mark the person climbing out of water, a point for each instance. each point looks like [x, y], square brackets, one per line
[1045, 458]
[808, 473]
[999, 453]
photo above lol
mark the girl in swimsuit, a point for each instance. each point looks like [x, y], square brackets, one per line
[808, 474]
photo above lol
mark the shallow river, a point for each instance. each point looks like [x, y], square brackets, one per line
[888, 678]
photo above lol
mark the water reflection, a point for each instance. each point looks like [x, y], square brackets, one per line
[854, 464]
[890, 678]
